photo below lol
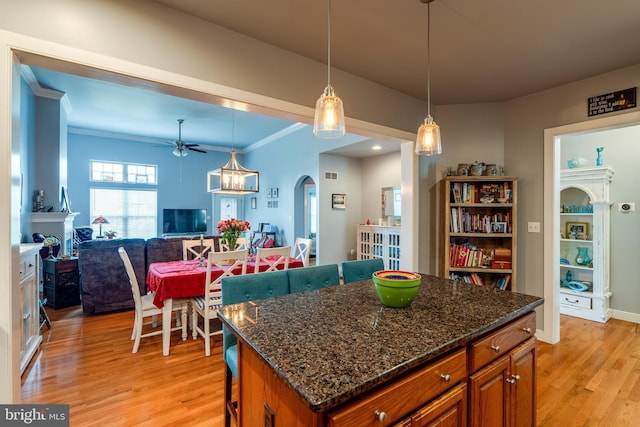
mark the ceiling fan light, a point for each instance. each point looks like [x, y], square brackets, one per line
[428, 139]
[179, 153]
[329, 117]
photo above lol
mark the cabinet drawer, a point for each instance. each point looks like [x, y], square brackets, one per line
[405, 395]
[575, 301]
[27, 266]
[500, 342]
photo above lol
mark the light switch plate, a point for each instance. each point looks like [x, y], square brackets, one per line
[533, 227]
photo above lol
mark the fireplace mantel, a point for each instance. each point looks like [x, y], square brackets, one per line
[59, 224]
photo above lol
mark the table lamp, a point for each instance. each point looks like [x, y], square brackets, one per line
[100, 220]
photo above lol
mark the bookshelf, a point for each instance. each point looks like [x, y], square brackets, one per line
[479, 225]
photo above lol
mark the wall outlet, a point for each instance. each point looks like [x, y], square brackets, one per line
[626, 206]
[533, 227]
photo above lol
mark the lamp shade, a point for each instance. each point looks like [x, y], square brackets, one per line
[329, 117]
[100, 220]
[428, 139]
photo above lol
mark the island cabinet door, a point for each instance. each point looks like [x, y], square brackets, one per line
[523, 385]
[488, 394]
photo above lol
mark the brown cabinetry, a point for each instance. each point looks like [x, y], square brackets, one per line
[449, 410]
[61, 282]
[503, 392]
[479, 226]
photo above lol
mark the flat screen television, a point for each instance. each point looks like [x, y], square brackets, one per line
[184, 221]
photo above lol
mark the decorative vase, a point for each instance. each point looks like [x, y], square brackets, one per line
[582, 257]
[232, 243]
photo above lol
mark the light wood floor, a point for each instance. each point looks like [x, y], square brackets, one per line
[592, 378]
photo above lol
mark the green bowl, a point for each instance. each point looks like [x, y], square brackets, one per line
[396, 288]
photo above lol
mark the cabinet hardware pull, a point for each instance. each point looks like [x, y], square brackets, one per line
[514, 379]
[571, 302]
[381, 416]
[26, 316]
[527, 330]
[495, 348]
[445, 377]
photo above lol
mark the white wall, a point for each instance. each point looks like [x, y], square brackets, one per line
[622, 153]
[377, 172]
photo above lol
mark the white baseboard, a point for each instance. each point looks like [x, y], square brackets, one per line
[624, 315]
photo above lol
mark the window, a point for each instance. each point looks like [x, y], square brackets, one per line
[114, 172]
[131, 213]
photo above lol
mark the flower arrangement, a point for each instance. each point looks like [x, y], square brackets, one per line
[111, 234]
[231, 229]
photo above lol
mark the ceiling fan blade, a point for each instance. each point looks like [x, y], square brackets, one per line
[190, 145]
[196, 149]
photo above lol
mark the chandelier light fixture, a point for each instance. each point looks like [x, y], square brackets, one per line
[428, 138]
[329, 117]
[232, 178]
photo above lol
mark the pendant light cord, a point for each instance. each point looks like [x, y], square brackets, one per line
[429, 59]
[329, 42]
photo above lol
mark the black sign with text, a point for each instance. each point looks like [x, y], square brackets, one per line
[613, 101]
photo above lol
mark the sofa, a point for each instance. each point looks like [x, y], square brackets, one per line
[104, 284]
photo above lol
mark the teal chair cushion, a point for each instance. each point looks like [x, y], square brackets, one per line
[231, 358]
[248, 287]
[362, 269]
[315, 277]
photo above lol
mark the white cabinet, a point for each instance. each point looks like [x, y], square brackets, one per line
[380, 242]
[29, 302]
[584, 226]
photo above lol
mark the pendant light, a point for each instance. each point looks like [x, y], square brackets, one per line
[428, 138]
[232, 178]
[329, 118]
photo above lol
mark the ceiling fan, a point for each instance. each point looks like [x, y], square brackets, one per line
[180, 148]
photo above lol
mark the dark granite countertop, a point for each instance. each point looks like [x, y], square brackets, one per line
[333, 344]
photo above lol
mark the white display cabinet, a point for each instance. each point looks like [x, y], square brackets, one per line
[379, 242]
[584, 223]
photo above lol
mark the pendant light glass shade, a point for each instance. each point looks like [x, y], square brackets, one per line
[233, 178]
[328, 122]
[329, 118]
[428, 139]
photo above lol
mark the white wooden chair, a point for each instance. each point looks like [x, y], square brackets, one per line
[273, 257]
[192, 249]
[301, 250]
[144, 307]
[241, 244]
[206, 306]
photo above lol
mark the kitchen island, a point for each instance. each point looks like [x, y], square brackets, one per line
[337, 356]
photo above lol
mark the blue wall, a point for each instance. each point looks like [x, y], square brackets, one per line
[181, 181]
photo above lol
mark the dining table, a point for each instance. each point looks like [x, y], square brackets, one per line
[171, 280]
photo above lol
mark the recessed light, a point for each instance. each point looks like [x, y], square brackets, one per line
[376, 147]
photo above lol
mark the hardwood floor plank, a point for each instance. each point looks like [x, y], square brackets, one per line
[590, 378]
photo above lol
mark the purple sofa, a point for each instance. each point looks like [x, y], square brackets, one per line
[104, 284]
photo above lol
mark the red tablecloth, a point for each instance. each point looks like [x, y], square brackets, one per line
[185, 279]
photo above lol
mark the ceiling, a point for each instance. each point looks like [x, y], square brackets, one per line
[481, 52]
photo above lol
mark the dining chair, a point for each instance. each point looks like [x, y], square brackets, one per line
[205, 306]
[241, 244]
[361, 269]
[314, 277]
[195, 248]
[301, 250]
[144, 307]
[273, 257]
[237, 289]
